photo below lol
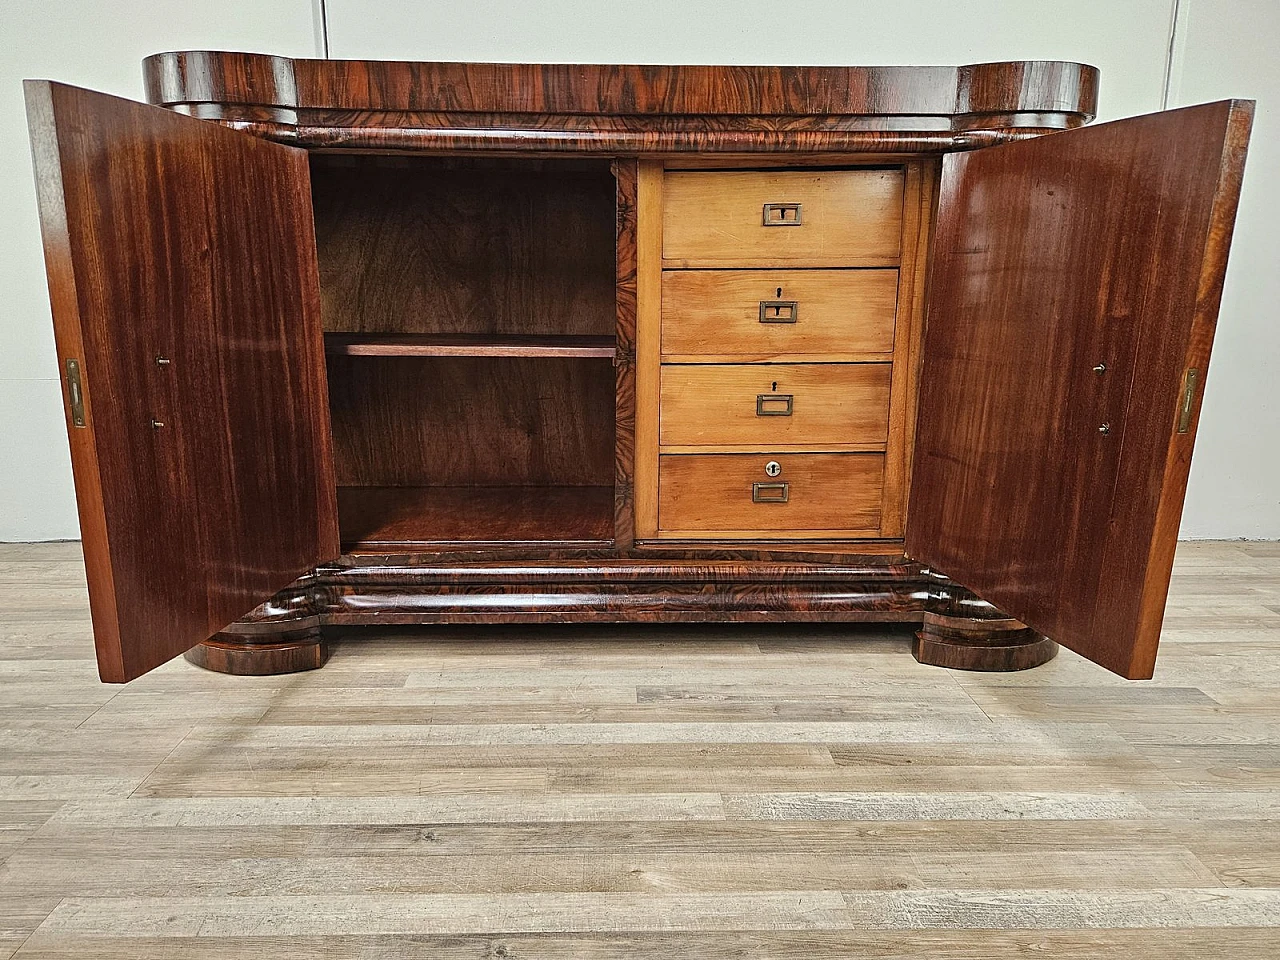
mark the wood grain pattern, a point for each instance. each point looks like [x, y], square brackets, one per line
[467, 345]
[612, 111]
[484, 421]
[838, 313]
[1107, 247]
[715, 216]
[449, 246]
[510, 276]
[196, 520]
[648, 344]
[605, 138]
[376, 518]
[1059, 93]
[626, 176]
[731, 775]
[836, 495]
[917, 221]
[833, 403]
[949, 641]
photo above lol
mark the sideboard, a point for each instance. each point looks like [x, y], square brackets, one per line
[355, 342]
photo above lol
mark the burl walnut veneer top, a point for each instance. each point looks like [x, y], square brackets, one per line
[623, 108]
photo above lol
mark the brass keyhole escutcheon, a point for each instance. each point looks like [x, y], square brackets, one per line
[772, 468]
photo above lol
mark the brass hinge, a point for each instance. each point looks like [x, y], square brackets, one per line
[75, 393]
[1189, 381]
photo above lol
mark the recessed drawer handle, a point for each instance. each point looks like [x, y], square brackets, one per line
[770, 492]
[782, 215]
[774, 404]
[779, 311]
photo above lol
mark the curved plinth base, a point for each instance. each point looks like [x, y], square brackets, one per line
[249, 656]
[959, 630]
[972, 643]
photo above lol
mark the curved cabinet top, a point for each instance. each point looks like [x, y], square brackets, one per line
[648, 107]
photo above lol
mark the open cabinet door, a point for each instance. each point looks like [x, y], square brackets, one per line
[182, 273]
[1072, 300]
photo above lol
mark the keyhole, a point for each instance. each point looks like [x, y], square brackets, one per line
[774, 388]
[779, 293]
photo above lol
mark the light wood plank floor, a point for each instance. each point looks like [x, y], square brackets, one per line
[590, 793]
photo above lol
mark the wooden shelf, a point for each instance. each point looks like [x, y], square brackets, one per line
[764, 451]
[465, 345]
[767, 358]
[374, 518]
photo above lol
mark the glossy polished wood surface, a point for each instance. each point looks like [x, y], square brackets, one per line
[456, 284]
[965, 643]
[204, 477]
[626, 173]
[624, 110]
[1029, 87]
[1052, 490]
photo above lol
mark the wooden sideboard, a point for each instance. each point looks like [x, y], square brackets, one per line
[355, 342]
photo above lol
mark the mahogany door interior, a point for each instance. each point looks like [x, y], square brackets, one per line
[182, 273]
[1074, 290]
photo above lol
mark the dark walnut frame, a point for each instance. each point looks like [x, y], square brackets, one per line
[744, 115]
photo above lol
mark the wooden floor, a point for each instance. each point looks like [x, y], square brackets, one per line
[683, 793]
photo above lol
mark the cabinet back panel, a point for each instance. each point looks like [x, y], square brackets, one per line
[459, 421]
[427, 245]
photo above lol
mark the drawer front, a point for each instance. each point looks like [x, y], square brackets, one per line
[770, 404]
[811, 495]
[770, 312]
[796, 215]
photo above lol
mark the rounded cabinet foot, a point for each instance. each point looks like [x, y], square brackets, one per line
[281, 636]
[262, 656]
[972, 643]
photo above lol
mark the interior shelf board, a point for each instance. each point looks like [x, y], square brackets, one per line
[466, 345]
[372, 517]
[764, 451]
[767, 358]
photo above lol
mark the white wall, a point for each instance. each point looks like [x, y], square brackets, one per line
[1235, 483]
[1127, 39]
[98, 44]
[1229, 49]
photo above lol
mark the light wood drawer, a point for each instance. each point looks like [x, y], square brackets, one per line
[773, 404]
[759, 314]
[814, 494]
[750, 216]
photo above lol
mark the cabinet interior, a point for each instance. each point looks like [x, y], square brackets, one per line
[469, 313]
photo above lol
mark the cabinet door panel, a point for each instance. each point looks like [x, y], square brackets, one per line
[182, 274]
[1075, 285]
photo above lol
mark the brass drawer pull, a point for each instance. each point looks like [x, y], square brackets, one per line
[770, 492]
[782, 215]
[774, 404]
[779, 311]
